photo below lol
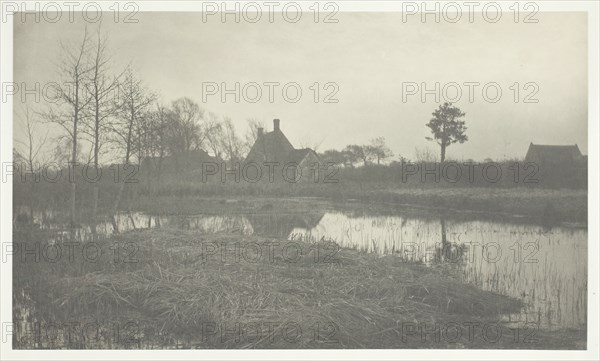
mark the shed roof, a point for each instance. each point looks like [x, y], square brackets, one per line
[553, 153]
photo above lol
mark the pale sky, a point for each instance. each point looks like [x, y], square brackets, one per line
[369, 56]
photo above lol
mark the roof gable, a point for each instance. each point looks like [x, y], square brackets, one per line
[275, 147]
[270, 147]
[299, 155]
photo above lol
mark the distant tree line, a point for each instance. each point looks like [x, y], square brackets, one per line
[376, 152]
[106, 113]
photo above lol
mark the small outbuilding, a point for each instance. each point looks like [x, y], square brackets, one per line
[554, 154]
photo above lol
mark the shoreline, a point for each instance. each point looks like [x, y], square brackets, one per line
[539, 209]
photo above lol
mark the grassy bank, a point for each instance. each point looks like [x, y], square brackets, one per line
[191, 290]
[546, 206]
[536, 203]
[541, 206]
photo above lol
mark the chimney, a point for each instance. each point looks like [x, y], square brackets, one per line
[275, 124]
[260, 131]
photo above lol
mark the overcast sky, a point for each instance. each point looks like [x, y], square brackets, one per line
[369, 56]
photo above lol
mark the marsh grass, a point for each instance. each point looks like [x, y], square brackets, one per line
[545, 202]
[176, 288]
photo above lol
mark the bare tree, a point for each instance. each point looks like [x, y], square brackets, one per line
[188, 116]
[155, 142]
[33, 144]
[336, 157]
[69, 111]
[186, 131]
[358, 152]
[101, 88]
[251, 135]
[231, 144]
[425, 155]
[132, 106]
[379, 150]
[213, 131]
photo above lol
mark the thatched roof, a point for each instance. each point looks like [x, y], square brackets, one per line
[275, 147]
[553, 154]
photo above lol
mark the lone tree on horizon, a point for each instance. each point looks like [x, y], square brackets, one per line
[447, 127]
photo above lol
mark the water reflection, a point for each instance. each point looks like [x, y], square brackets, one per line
[447, 251]
[282, 225]
[546, 268]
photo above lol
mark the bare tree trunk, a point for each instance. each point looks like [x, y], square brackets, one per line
[132, 110]
[96, 188]
[122, 181]
[443, 144]
[74, 160]
[445, 247]
[131, 218]
[158, 176]
[31, 203]
[31, 192]
[101, 89]
[118, 198]
[116, 207]
[95, 193]
[443, 153]
[31, 195]
[74, 69]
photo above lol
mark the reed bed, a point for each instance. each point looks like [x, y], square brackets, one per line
[180, 292]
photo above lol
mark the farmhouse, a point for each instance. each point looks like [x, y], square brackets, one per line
[554, 154]
[275, 147]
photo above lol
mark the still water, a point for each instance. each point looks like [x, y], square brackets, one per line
[546, 268]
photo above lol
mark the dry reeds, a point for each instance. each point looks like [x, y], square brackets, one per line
[296, 295]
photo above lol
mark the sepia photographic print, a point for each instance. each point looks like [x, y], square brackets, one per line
[293, 180]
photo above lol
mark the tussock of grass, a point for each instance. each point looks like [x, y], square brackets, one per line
[354, 300]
